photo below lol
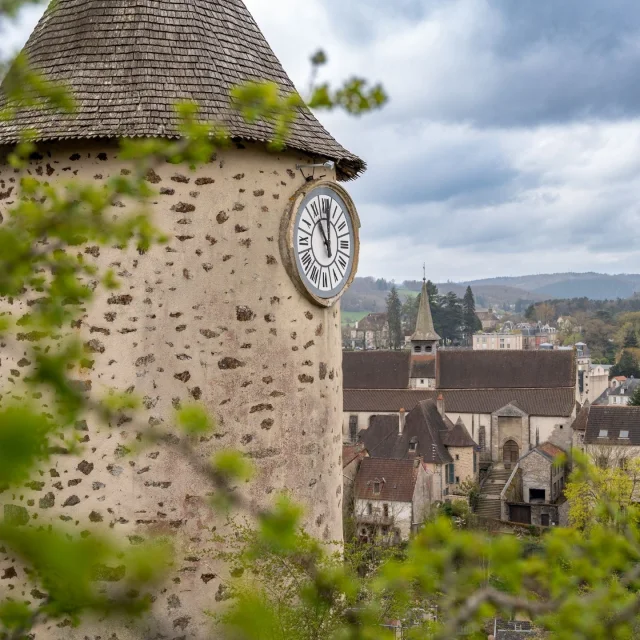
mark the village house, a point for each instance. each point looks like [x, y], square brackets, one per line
[621, 394]
[391, 499]
[497, 341]
[534, 492]
[610, 435]
[447, 451]
[488, 318]
[372, 332]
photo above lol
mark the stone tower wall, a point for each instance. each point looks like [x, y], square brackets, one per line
[211, 316]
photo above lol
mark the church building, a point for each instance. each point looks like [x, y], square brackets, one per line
[509, 401]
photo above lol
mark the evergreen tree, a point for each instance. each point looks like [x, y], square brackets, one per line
[634, 401]
[451, 318]
[394, 317]
[630, 339]
[471, 322]
[530, 313]
[626, 366]
[410, 313]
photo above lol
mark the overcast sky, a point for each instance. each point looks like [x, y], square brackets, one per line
[511, 144]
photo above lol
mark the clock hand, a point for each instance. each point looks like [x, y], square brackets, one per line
[324, 237]
[326, 206]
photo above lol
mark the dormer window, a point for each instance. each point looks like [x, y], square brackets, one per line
[413, 444]
[376, 487]
[624, 434]
[603, 433]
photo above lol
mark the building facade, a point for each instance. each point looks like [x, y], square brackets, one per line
[497, 341]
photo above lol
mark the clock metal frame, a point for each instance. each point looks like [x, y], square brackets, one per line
[288, 235]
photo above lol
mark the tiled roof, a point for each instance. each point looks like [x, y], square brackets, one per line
[580, 423]
[128, 63]
[458, 436]
[423, 425]
[550, 450]
[610, 421]
[423, 367]
[534, 402]
[372, 400]
[397, 479]
[467, 369]
[352, 451]
[376, 369]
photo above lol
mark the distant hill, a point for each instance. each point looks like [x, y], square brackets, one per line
[369, 294]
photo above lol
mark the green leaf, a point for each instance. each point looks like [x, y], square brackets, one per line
[193, 419]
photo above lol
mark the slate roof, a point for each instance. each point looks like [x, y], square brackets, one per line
[458, 436]
[423, 367]
[384, 400]
[550, 450]
[397, 479]
[424, 424]
[626, 388]
[424, 322]
[128, 62]
[498, 369]
[613, 419]
[580, 423]
[376, 369]
[352, 451]
[534, 402]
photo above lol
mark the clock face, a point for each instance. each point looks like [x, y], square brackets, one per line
[324, 242]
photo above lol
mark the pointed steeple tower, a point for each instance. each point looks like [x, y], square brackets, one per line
[424, 339]
[128, 63]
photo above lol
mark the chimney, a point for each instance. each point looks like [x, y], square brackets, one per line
[401, 421]
[440, 404]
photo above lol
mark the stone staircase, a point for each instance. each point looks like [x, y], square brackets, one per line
[489, 502]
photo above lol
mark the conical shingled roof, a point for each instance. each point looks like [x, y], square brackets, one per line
[424, 322]
[458, 436]
[128, 62]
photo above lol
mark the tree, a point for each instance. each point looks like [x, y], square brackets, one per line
[634, 400]
[410, 313]
[450, 318]
[545, 312]
[630, 339]
[627, 366]
[471, 322]
[530, 313]
[394, 317]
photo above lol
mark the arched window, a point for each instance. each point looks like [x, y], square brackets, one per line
[417, 348]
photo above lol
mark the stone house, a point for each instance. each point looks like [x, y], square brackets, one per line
[372, 332]
[497, 341]
[535, 488]
[488, 318]
[447, 451]
[391, 498]
[208, 315]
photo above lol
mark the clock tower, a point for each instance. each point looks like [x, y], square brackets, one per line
[230, 312]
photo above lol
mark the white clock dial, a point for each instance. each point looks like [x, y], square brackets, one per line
[324, 242]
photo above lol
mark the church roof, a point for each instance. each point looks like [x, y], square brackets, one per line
[423, 366]
[424, 322]
[376, 369]
[127, 63]
[466, 369]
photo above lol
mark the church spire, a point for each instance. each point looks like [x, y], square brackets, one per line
[425, 331]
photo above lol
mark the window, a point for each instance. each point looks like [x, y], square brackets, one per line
[376, 487]
[603, 433]
[417, 348]
[353, 428]
[413, 444]
[427, 349]
[457, 479]
[537, 494]
[457, 456]
[475, 463]
[421, 381]
[544, 519]
[624, 434]
[450, 473]
[385, 510]
[369, 508]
